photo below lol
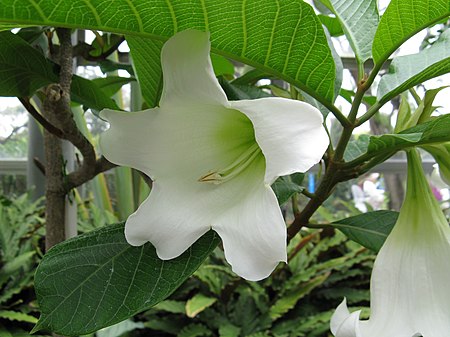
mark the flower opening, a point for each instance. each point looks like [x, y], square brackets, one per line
[212, 161]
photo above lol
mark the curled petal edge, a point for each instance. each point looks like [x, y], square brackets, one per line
[345, 324]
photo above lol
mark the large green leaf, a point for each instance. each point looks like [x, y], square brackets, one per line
[146, 55]
[403, 19]
[98, 279]
[284, 37]
[359, 19]
[23, 70]
[369, 229]
[410, 70]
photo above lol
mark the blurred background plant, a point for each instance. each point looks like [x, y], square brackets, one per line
[297, 300]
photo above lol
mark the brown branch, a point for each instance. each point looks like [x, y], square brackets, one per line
[83, 49]
[333, 175]
[58, 96]
[39, 165]
[39, 118]
[60, 122]
[78, 178]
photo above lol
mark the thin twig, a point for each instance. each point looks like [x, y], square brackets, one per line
[39, 165]
[39, 118]
[302, 244]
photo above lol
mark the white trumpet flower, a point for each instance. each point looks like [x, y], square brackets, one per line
[212, 161]
[410, 285]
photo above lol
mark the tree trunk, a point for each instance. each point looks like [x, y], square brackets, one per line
[54, 192]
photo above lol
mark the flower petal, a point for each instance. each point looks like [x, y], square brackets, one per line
[122, 143]
[186, 140]
[410, 278]
[253, 230]
[249, 221]
[290, 134]
[187, 71]
[339, 316]
[170, 219]
[411, 274]
[350, 327]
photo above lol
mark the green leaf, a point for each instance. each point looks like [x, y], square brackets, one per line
[165, 324]
[23, 70]
[426, 108]
[17, 316]
[285, 188]
[16, 263]
[359, 19]
[284, 38]
[369, 229]
[88, 94]
[237, 92]
[229, 330]
[407, 71]
[194, 330]
[98, 279]
[175, 307]
[289, 300]
[333, 25]
[108, 66]
[146, 56]
[222, 66]
[111, 84]
[434, 131]
[4, 332]
[401, 20]
[251, 77]
[31, 34]
[356, 147]
[337, 81]
[384, 146]
[198, 303]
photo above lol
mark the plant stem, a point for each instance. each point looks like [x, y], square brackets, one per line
[336, 170]
[329, 180]
[370, 112]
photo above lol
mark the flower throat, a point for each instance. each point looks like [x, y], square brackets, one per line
[235, 168]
